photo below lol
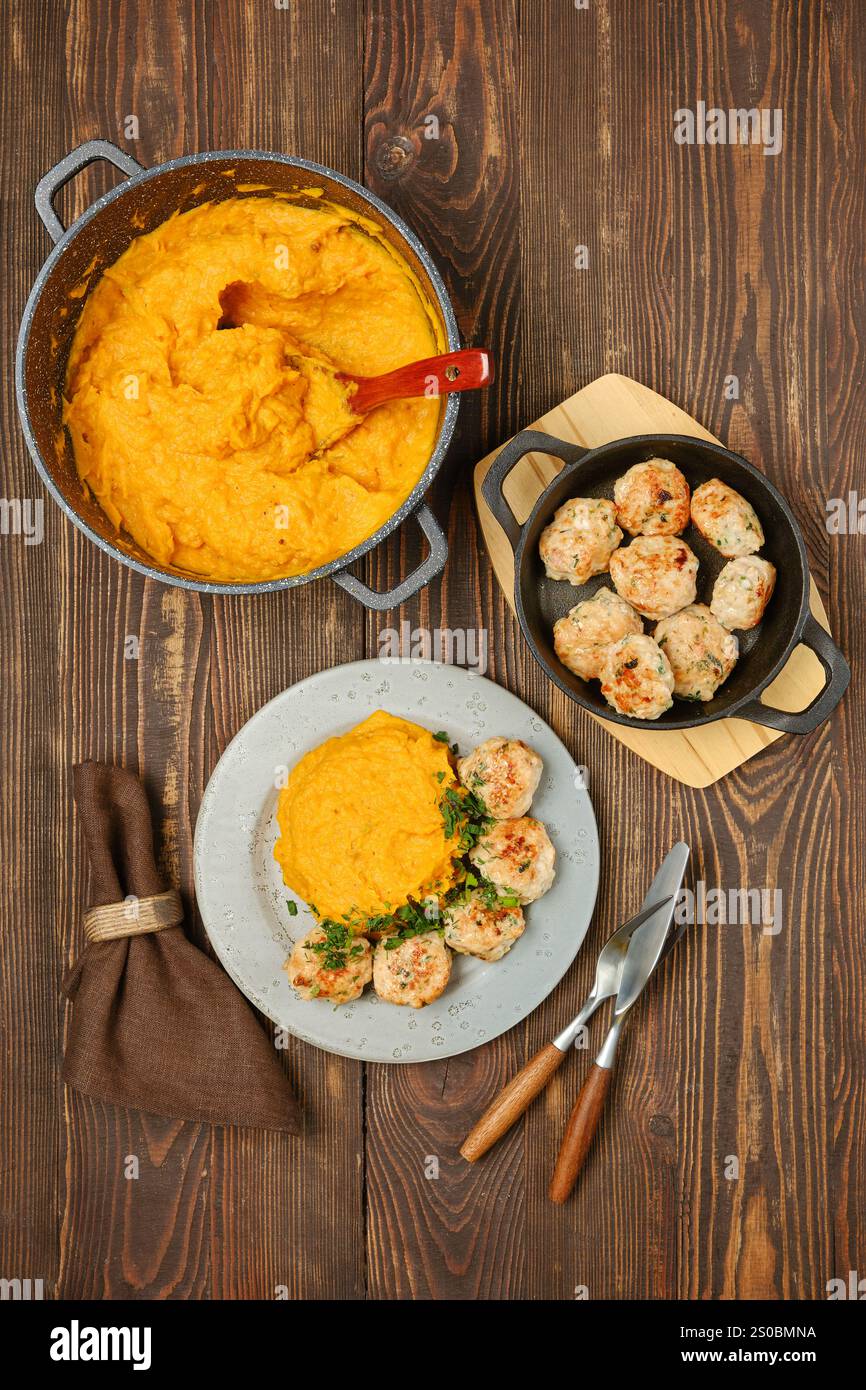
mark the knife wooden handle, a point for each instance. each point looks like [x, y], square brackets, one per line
[579, 1132]
[510, 1104]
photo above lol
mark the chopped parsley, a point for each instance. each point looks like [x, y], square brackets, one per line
[487, 893]
[338, 945]
[411, 920]
[465, 817]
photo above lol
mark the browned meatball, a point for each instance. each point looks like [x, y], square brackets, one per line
[655, 574]
[637, 678]
[517, 857]
[578, 542]
[726, 519]
[652, 499]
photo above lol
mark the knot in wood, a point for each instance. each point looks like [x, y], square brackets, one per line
[394, 157]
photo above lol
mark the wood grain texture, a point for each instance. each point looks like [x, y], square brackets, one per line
[553, 129]
[436, 1227]
[686, 246]
[844, 194]
[289, 80]
[33, 899]
[512, 1101]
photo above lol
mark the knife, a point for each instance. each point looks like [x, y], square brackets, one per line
[644, 952]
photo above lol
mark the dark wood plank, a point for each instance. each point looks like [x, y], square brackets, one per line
[457, 1235]
[148, 1236]
[34, 897]
[844, 192]
[292, 1210]
[703, 262]
[199, 675]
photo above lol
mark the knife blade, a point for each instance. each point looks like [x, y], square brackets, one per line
[608, 975]
[648, 941]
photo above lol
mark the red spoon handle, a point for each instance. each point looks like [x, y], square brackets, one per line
[433, 376]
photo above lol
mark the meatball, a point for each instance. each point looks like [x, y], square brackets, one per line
[652, 499]
[311, 979]
[474, 929]
[516, 856]
[656, 575]
[742, 591]
[637, 678]
[504, 774]
[726, 519]
[581, 639]
[414, 973]
[579, 540]
[701, 653]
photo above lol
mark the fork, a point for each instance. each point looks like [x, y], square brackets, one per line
[521, 1091]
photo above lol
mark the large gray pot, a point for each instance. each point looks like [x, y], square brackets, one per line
[96, 240]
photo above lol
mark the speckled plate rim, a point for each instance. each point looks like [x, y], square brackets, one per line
[242, 899]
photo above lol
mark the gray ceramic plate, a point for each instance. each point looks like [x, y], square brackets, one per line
[242, 897]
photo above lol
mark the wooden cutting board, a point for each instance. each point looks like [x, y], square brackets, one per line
[611, 408]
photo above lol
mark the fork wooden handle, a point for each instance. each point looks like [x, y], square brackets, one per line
[579, 1132]
[510, 1104]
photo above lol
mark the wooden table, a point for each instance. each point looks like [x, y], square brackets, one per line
[553, 129]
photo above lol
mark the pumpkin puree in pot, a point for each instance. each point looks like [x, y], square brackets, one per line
[200, 394]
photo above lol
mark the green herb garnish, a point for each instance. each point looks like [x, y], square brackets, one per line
[334, 949]
[410, 920]
[465, 817]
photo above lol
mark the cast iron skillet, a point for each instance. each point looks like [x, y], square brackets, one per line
[763, 651]
[98, 238]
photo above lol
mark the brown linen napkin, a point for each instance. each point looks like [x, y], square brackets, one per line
[156, 1025]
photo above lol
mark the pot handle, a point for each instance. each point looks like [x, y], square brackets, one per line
[427, 570]
[527, 442]
[838, 672]
[51, 183]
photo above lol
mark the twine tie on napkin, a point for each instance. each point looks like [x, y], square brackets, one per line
[156, 1024]
[133, 916]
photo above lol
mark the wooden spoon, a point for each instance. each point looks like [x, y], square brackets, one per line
[242, 303]
[432, 376]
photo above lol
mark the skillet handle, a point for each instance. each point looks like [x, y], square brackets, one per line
[51, 183]
[838, 673]
[527, 442]
[427, 570]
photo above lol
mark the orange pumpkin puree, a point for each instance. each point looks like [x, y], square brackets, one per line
[200, 394]
[361, 830]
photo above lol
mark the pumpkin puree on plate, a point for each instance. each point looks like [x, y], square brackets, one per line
[361, 829]
[200, 394]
